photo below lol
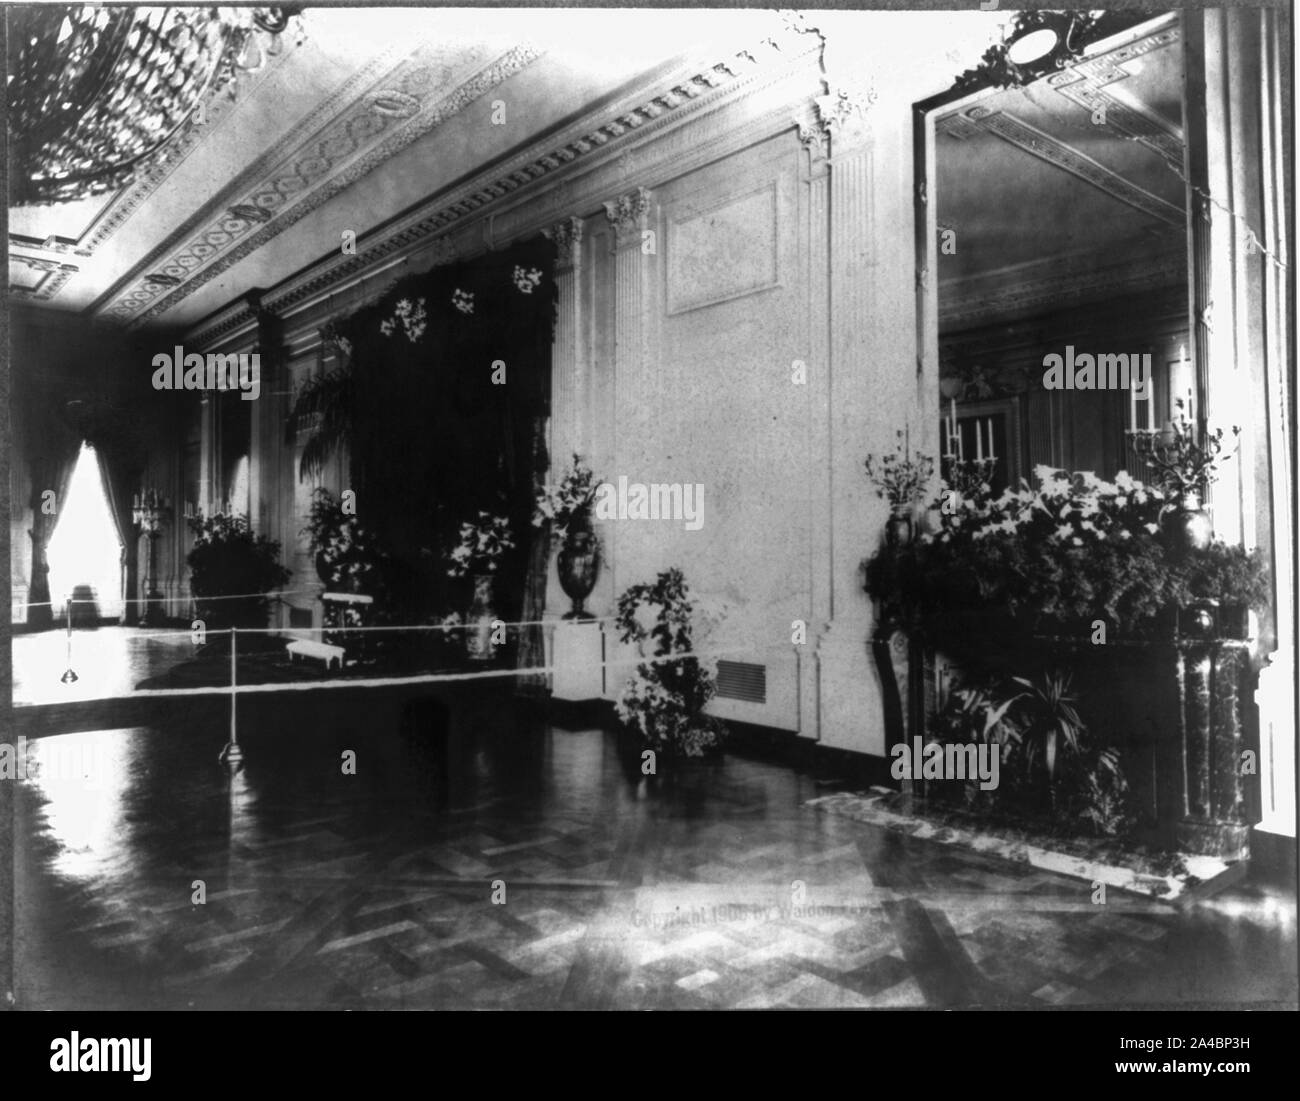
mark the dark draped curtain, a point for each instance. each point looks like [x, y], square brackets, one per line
[532, 640]
[50, 471]
[119, 476]
[434, 437]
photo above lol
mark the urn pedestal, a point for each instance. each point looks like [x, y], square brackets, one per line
[478, 621]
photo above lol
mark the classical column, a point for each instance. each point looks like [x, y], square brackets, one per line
[630, 216]
[815, 141]
[633, 438]
[209, 454]
[569, 416]
[1235, 96]
[851, 703]
[266, 435]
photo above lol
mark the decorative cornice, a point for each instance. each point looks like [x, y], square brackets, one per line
[218, 106]
[1047, 284]
[1029, 138]
[220, 239]
[56, 275]
[658, 108]
[628, 212]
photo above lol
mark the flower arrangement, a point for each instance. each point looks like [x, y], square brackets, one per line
[481, 546]
[900, 476]
[230, 560]
[664, 699]
[527, 281]
[1073, 548]
[348, 554]
[1183, 466]
[567, 502]
[412, 319]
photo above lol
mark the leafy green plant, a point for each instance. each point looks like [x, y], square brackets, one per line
[231, 562]
[899, 477]
[1047, 760]
[1182, 464]
[1073, 548]
[665, 697]
[1052, 721]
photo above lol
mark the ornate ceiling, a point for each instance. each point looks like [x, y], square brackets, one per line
[1068, 190]
[433, 95]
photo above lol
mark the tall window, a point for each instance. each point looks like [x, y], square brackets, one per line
[85, 553]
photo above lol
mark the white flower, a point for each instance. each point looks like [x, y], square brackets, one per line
[527, 280]
[1151, 528]
[463, 301]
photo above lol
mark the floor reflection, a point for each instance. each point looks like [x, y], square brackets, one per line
[326, 889]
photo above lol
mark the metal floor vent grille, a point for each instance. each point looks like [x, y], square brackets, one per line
[742, 680]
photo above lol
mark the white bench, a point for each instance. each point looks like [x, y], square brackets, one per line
[319, 651]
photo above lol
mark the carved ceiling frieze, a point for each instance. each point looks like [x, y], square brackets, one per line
[1060, 154]
[117, 211]
[317, 162]
[54, 274]
[552, 163]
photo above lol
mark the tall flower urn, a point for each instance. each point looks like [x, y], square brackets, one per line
[479, 620]
[898, 529]
[1186, 525]
[578, 564]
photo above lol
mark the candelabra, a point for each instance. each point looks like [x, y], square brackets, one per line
[1174, 456]
[149, 513]
[969, 477]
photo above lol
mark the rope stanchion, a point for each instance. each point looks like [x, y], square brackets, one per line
[69, 674]
[289, 632]
[231, 755]
[234, 689]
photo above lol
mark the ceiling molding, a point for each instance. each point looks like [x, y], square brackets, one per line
[1043, 285]
[55, 275]
[578, 165]
[1045, 147]
[217, 108]
[365, 126]
[1085, 83]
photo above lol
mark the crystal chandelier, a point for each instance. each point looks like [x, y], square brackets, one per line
[96, 93]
